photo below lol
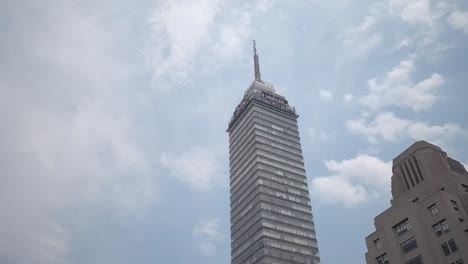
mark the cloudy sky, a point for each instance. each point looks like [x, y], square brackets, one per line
[114, 114]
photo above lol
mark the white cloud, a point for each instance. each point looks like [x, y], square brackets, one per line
[405, 42]
[425, 17]
[326, 95]
[412, 11]
[386, 126]
[323, 135]
[359, 40]
[198, 167]
[336, 190]
[208, 235]
[179, 29]
[398, 88]
[353, 181]
[69, 137]
[264, 5]
[187, 36]
[348, 98]
[459, 20]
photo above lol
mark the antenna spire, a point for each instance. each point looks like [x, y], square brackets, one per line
[256, 63]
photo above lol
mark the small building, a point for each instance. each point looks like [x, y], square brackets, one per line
[428, 218]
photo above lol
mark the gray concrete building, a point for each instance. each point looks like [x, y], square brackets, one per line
[428, 218]
[271, 215]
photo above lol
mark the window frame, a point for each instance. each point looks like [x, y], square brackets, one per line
[409, 245]
[402, 227]
[415, 259]
[433, 209]
[382, 259]
[440, 228]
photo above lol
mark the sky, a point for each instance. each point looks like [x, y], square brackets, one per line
[114, 115]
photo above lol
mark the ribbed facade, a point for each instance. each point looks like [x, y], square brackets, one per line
[271, 216]
[426, 223]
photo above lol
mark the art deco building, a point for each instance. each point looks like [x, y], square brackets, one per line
[271, 216]
[428, 219]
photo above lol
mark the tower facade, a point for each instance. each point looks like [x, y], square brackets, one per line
[271, 215]
[428, 220]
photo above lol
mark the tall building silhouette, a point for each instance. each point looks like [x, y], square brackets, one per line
[271, 215]
[428, 220]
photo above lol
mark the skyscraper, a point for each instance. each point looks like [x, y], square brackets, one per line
[271, 215]
[427, 222]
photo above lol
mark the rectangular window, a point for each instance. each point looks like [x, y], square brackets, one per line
[449, 247]
[445, 226]
[446, 249]
[382, 259]
[455, 205]
[377, 243]
[402, 227]
[452, 245]
[416, 260]
[441, 227]
[433, 209]
[409, 245]
[438, 230]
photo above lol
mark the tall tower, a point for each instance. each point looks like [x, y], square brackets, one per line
[271, 215]
[427, 222]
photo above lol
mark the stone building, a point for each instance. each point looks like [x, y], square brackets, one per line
[428, 218]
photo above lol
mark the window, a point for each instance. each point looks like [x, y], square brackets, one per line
[449, 247]
[377, 243]
[460, 261]
[446, 249]
[433, 209]
[409, 245]
[402, 227]
[455, 205]
[441, 227]
[382, 259]
[452, 245]
[416, 260]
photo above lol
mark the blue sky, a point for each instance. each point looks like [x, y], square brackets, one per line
[114, 115]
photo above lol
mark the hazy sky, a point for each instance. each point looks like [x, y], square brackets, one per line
[114, 114]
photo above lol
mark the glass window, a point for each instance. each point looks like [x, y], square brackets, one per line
[449, 247]
[433, 209]
[441, 227]
[438, 230]
[382, 259]
[409, 245]
[402, 227]
[452, 245]
[416, 260]
[445, 226]
[377, 243]
[446, 249]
